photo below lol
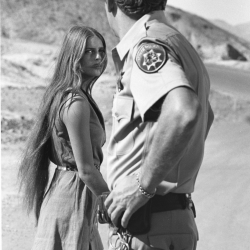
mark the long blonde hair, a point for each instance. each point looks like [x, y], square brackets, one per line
[67, 78]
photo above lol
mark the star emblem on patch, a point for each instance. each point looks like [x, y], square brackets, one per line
[150, 57]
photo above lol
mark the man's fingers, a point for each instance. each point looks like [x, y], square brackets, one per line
[116, 216]
[126, 217]
[132, 209]
[111, 209]
[109, 200]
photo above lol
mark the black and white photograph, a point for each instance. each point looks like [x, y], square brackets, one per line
[125, 125]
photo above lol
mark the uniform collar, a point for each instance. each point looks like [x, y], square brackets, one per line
[136, 32]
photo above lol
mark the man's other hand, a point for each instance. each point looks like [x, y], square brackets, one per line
[124, 200]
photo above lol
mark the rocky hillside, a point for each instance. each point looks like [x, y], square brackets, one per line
[241, 30]
[209, 40]
[46, 21]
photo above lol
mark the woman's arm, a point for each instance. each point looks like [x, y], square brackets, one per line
[76, 118]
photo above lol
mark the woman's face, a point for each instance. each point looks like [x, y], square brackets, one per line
[92, 58]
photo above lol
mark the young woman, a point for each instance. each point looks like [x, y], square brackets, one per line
[70, 133]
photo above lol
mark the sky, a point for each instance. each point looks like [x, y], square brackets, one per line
[231, 11]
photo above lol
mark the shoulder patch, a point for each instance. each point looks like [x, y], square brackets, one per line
[150, 57]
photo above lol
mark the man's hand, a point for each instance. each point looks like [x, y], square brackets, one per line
[126, 198]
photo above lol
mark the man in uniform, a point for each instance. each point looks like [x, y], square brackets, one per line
[161, 118]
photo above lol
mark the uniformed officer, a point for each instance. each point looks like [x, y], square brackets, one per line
[161, 118]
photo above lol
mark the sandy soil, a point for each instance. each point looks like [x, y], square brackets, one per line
[222, 190]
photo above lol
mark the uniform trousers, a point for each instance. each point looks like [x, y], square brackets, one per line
[170, 230]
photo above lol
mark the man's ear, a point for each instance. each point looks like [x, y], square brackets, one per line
[111, 5]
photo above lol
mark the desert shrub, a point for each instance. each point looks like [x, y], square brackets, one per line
[15, 129]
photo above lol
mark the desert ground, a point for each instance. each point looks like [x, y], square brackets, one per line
[222, 190]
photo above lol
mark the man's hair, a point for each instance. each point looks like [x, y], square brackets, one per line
[137, 8]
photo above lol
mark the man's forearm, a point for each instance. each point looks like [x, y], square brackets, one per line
[175, 128]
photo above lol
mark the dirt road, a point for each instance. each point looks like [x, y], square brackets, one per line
[222, 190]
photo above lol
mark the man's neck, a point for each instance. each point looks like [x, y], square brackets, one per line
[124, 23]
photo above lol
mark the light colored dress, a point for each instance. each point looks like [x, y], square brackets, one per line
[68, 214]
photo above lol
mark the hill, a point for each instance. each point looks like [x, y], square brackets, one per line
[46, 21]
[209, 40]
[241, 30]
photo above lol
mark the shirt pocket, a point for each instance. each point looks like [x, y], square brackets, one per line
[173, 241]
[122, 124]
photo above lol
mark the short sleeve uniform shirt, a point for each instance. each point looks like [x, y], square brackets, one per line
[151, 60]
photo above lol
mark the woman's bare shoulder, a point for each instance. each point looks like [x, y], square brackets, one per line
[75, 106]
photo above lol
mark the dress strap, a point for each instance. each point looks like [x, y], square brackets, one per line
[96, 108]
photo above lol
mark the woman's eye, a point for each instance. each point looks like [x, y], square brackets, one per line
[88, 51]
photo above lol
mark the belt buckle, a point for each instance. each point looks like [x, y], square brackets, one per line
[70, 168]
[61, 168]
[65, 168]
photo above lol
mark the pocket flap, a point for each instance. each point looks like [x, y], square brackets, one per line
[173, 241]
[122, 107]
[160, 241]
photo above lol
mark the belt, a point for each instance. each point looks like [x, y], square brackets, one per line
[172, 201]
[139, 222]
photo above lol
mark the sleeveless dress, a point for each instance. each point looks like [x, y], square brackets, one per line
[68, 214]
